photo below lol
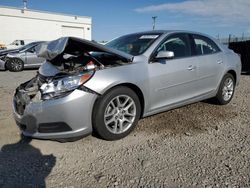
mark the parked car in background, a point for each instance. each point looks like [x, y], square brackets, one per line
[84, 86]
[18, 43]
[21, 58]
[3, 53]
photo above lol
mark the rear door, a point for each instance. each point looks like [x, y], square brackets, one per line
[173, 81]
[210, 64]
[31, 58]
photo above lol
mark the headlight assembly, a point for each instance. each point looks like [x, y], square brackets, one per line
[63, 86]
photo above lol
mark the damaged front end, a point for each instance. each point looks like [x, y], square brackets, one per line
[25, 93]
[70, 62]
[55, 103]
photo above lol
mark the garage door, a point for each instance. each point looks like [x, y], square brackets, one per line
[72, 31]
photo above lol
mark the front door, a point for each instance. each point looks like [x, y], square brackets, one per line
[173, 81]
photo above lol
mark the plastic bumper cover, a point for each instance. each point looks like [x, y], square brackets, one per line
[68, 117]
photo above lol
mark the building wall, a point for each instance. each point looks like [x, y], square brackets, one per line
[28, 24]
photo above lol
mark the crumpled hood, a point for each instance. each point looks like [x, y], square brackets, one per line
[51, 50]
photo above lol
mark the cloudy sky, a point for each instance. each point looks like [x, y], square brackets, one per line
[112, 18]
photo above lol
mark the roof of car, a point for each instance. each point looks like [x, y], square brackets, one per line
[166, 31]
[160, 32]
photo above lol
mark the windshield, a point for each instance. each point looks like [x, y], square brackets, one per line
[134, 44]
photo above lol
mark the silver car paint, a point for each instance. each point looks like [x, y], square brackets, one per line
[72, 109]
[165, 85]
[48, 69]
[2, 65]
[30, 59]
[163, 91]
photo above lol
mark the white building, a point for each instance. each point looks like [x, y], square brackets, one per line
[26, 24]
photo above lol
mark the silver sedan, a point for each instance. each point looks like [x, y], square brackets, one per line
[85, 87]
[21, 58]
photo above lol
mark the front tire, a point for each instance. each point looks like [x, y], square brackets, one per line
[15, 65]
[116, 113]
[226, 90]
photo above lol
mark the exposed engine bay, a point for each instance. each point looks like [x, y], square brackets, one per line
[72, 55]
[73, 63]
[70, 62]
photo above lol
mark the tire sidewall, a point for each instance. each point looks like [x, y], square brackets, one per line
[219, 94]
[8, 65]
[100, 107]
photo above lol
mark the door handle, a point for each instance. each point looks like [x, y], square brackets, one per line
[219, 61]
[191, 67]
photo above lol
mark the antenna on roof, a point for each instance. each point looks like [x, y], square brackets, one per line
[25, 4]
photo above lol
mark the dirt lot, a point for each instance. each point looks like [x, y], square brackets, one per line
[200, 145]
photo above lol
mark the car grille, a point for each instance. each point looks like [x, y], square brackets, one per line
[53, 127]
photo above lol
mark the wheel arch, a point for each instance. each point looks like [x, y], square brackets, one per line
[133, 87]
[233, 73]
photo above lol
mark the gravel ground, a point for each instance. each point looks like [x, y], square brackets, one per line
[200, 145]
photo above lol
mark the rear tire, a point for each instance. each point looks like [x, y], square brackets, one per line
[15, 65]
[116, 113]
[226, 90]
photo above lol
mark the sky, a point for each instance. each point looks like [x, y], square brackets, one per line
[112, 18]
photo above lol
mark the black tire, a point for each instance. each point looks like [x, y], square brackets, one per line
[220, 99]
[101, 106]
[14, 65]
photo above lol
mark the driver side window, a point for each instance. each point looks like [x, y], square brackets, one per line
[32, 50]
[178, 43]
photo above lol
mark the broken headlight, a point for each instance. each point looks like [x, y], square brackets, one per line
[63, 86]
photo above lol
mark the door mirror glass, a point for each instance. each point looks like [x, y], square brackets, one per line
[165, 55]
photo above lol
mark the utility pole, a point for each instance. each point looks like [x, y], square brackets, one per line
[154, 18]
[25, 4]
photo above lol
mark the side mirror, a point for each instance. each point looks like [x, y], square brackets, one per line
[165, 55]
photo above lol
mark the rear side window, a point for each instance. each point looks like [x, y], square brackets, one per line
[204, 45]
[178, 43]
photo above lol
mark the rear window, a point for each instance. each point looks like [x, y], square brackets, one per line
[204, 45]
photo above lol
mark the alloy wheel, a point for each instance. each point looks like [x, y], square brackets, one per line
[228, 89]
[120, 114]
[16, 65]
